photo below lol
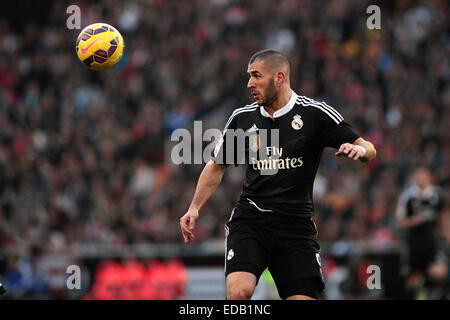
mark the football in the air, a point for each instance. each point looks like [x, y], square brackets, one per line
[99, 46]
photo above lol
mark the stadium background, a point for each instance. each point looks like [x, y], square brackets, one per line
[84, 174]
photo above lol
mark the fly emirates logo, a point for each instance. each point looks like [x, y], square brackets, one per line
[274, 160]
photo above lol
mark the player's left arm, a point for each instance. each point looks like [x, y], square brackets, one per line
[360, 149]
[337, 133]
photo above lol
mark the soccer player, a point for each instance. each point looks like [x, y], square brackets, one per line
[271, 225]
[419, 210]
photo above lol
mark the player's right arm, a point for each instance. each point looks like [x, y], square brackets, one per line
[211, 175]
[207, 183]
[405, 220]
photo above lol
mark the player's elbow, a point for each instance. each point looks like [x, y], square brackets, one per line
[218, 168]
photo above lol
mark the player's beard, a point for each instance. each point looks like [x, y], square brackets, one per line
[270, 94]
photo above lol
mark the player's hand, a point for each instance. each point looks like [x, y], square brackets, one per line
[351, 151]
[418, 218]
[187, 223]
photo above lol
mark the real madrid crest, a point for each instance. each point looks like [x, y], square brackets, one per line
[297, 123]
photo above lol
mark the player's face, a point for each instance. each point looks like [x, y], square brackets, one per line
[423, 178]
[261, 83]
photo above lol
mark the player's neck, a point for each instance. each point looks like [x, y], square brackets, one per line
[282, 100]
[424, 189]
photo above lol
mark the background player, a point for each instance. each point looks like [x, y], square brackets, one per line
[419, 211]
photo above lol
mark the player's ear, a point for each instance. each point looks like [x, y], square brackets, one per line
[279, 78]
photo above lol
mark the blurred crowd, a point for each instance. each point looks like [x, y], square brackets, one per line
[83, 154]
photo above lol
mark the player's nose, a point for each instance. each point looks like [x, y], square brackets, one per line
[250, 84]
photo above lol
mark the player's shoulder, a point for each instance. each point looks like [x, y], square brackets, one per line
[411, 192]
[320, 108]
[245, 110]
[438, 190]
[240, 112]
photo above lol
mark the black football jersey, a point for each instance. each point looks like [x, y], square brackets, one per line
[429, 204]
[281, 154]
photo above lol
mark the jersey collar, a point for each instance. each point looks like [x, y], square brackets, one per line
[427, 192]
[283, 110]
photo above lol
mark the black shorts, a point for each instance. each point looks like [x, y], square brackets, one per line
[256, 241]
[421, 255]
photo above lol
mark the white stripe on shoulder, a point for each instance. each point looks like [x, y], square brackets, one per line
[248, 108]
[254, 104]
[331, 109]
[326, 106]
[332, 113]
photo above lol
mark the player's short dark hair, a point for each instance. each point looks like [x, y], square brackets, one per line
[273, 58]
